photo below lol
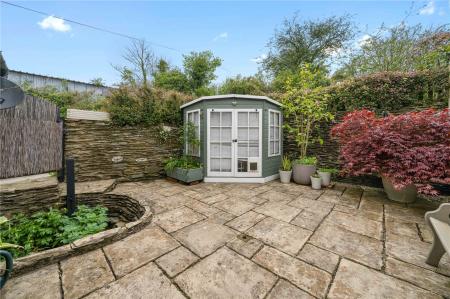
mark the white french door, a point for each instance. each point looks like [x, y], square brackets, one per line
[234, 142]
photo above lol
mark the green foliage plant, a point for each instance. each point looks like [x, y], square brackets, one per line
[183, 162]
[306, 160]
[305, 106]
[286, 164]
[49, 229]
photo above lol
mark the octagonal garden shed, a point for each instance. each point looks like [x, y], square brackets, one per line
[240, 137]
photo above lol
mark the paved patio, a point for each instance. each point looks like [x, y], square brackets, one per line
[254, 241]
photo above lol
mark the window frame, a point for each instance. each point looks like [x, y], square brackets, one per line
[269, 125]
[199, 130]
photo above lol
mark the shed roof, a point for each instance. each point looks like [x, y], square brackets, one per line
[228, 96]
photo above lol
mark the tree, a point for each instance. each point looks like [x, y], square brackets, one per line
[399, 48]
[97, 82]
[312, 42]
[254, 85]
[199, 68]
[172, 79]
[305, 106]
[141, 60]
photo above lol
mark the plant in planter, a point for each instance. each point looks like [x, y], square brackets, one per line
[316, 181]
[184, 169]
[304, 168]
[409, 151]
[325, 175]
[305, 106]
[285, 170]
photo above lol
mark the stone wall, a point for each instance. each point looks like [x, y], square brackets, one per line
[28, 194]
[103, 151]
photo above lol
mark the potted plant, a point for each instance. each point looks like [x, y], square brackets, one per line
[304, 168]
[305, 106]
[285, 170]
[184, 169]
[409, 151]
[325, 175]
[316, 181]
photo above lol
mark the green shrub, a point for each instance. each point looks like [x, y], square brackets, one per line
[306, 160]
[67, 99]
[145, 106]
[49, 229]
[183, 162]
[390, 91]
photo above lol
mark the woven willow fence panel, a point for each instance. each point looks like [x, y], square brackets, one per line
[30, 139]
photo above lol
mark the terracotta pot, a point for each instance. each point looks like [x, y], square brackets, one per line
[302, 173]
[285, 176]
[326, 178]
[316, 183]
[406, 195]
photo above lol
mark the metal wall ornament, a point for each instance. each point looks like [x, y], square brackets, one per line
[10, 93]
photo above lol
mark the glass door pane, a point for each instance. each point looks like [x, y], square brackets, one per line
[248, 162]
[221, 143]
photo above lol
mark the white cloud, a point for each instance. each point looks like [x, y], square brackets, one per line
[363, 40]
[54, 23]
[259, 59]
[223, 35]
[428, 9]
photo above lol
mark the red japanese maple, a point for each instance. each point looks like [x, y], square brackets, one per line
[410, 148]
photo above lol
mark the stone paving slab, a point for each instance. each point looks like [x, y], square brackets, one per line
[214, 198]
[369, 214]
[308, 219]
[414, 251]
[319, 257]
[234, 206]
[205, 237]
[356, 281]
[426, 279]
[145, 282]
[286, 290]
[311, 205]
[139, 249]
[85, 273]
[396, 212]
[276, 196]
[407, 229]
[278, 211]
[202, 208]
[281, 235]
[176, 219]
[226, 274]
[356, 224]
[43, 283]
[245, 245]
[307, 277]
[245, 221]
[176, 261]
[349, 244]
[221, 217]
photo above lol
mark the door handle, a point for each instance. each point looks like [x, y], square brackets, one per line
[234, 140]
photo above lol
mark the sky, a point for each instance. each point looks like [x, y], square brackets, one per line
[236, 31]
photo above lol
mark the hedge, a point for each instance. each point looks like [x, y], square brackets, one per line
[391, 91]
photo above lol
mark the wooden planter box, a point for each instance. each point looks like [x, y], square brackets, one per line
[186, 175]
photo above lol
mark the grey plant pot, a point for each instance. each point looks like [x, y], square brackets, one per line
[285, 176]
[302, 173]
[405, 195]
[186, 175]
[316, 183]
[326, 178]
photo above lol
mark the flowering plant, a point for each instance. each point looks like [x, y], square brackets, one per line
[410, 148]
